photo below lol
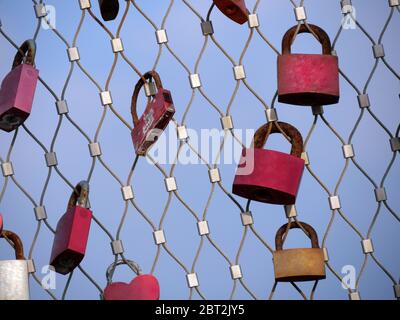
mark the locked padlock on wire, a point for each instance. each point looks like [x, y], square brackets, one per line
[156, 116]
[18, 88]
[72, 231]
[109, 9]
[142, 287]
[275, 176]
[308, 79]
[14, 282]
[299, 264]
[234, 9]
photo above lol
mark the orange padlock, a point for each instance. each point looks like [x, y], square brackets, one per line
[300, 264]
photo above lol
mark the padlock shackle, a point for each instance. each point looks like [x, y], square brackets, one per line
[262, 134]
[111, 268]
[312, 234]
[322, 36]
[79, 196]
[28, 48]
[18, 246]
[147, 76]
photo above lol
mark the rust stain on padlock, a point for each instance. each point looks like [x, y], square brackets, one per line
[18, 88]
[72, 232]
[300, 264]
[14, 284]
[234, 9]
[308, 79]
[276, 176]
[156, 117]
[109, 9]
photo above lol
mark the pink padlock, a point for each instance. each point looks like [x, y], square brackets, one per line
[18, 88]
[142, 287]
[156, 117]
[275, 176]
[234, 9]
[72, 232]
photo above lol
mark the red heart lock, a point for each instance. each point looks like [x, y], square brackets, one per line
[143, 287]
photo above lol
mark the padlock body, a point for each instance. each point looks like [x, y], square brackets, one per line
[109, 9]
[143, 287]
[234, 9]
[14, 284]
[154, 120]
[308, 79]
[70, 239]
[304, 264]
[275, 177]
[16, 96]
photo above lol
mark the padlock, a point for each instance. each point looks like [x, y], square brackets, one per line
[72, 232]
[234, 9]
[273, 177]
[308, 79]
[301, 264]
[14, 283]
[158, 113]
[1, 223]
[109, 9]
[142, 287]
[18, 88]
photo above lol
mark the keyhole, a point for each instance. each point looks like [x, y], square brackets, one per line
[12, 120]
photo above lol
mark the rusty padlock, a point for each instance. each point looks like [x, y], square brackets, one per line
[142, 287]
[158, 113]
[18, 88]
[308, 79]
[234, 9]
[109, 9]
[72, 232]
[14, 283]
[301, 264]
[275, 176]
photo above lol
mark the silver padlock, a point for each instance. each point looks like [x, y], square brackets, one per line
[14, 283]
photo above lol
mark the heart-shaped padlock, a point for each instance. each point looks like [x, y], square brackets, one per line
[142, 287]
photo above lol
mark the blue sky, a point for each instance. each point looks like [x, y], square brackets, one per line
[370, 142]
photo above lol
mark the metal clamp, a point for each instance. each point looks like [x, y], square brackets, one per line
[207, 28]
[7, 169]
[161, 36]
[300, 14]
[334, 202]
[192, 280]
[253, 21]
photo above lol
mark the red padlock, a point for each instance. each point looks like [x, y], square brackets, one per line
[1, 223]
[109, 9]
[275, 176]
[72, 232]
[234, 9]
[142, 287]
[18, 88]
[308, 79]
[158, 113]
